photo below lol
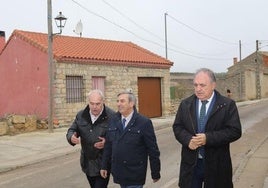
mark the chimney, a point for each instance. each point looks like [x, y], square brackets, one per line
[235, 60]
[2, 40]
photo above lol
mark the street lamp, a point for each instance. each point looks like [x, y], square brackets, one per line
[62, 20]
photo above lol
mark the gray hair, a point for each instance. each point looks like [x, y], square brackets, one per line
[131, 96]
[207, 71]
[98, 92]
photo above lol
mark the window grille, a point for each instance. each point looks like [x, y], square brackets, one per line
[74, 89]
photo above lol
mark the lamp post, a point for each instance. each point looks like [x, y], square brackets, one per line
[62, 20]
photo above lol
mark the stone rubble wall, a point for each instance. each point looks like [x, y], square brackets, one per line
[117, 78]
[17, 124]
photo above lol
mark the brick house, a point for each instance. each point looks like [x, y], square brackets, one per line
[80, 65]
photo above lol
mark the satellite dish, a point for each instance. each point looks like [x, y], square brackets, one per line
[79, 28]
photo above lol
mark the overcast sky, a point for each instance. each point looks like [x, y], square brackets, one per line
[199, 33]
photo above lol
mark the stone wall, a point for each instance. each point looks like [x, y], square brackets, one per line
[248, 78]
[182, 86]
[117, 78]
[16, 124]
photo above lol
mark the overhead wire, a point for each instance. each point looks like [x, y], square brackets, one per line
[113, 23]
[150, 41]
[185, 51]
[132, 21]
[203, 34]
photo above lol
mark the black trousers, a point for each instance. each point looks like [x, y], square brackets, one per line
[198, 177]
[98, 181]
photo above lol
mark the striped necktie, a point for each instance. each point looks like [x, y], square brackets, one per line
[124, 123]
[201, 124]
[201, 121]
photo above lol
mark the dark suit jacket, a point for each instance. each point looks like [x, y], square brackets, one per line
[128, 150]
[223, 127]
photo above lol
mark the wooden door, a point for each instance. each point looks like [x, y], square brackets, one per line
[149, 96]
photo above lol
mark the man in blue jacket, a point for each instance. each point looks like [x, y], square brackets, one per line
[206, 123]
[130, 141]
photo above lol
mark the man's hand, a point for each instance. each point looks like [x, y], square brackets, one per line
[156, 180]
[103, 173]
[100, 144]
[197, 141]
[75, 139]
[200, 139]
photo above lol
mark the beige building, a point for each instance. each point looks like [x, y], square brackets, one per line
[248, 79]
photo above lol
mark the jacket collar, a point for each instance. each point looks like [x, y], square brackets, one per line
[86, 115]
[191, 103]
[132, 120]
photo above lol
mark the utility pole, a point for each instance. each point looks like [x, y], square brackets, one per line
[166, 35]
[258, 82]
[50, 66]
[240, 50]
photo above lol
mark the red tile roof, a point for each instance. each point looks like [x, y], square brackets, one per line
[94, 51]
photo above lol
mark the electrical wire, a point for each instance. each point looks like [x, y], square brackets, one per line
[203, 34]
[185, 51]
[115, 24]
[150, 41]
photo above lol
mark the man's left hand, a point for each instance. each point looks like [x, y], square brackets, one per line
[100, 144]
[200, 139]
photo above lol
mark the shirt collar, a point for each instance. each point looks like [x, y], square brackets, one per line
[209, 100]
[128, 118]
[93, 117]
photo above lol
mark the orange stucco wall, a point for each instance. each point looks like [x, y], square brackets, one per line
[23, 79]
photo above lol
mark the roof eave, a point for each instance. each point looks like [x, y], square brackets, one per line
[113, 63]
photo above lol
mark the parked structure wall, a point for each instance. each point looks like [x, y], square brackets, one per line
[182, 83]
[23, 67]
[265, 82]
[117, 78]
[249, 77]
[246, 79]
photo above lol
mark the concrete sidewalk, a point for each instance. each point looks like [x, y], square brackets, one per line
[29, 148]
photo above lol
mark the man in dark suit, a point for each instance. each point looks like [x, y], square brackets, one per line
[205, 124]
[129, 144]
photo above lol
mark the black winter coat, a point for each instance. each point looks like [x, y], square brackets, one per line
[91, 157]
[128, 150]
[222, 128]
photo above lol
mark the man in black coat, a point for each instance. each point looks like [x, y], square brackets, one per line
[128, 145]
[89, 128]
[205, 155]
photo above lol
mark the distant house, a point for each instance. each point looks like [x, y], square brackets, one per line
[81, 64]
[248, 78]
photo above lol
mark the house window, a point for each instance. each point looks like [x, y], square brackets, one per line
[74, 89]
[98, 83]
